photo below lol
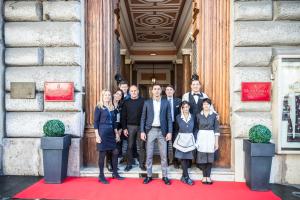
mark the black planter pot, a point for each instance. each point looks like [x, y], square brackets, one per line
[258, 162]
[55, 158]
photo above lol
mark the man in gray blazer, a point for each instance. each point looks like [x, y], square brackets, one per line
[156, 124]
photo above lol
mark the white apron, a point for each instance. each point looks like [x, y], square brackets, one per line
[184, 142]
[205, 141]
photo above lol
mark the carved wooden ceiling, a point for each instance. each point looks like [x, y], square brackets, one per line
[154, 20]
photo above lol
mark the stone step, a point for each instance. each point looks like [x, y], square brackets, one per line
[218, 174]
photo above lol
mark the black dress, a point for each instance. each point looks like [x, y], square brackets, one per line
[104, 121]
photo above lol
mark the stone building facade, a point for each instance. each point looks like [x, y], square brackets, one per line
[45, 41]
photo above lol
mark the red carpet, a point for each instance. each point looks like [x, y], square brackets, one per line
[131, 189]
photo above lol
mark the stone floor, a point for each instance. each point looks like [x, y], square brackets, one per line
[11, 185]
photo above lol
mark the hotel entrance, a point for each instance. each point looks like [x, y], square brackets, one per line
[163, 41]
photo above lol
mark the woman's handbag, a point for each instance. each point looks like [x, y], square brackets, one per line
[185, 142]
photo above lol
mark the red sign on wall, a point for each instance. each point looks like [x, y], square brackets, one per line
[59, 91]
[256, 91]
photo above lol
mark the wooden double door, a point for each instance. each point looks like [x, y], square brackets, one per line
[211, 52]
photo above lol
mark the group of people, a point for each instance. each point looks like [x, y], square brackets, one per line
[191, 124]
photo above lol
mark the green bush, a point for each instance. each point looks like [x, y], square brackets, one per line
[260, 134]
[54, 128]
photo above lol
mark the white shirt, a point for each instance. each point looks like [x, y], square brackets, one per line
[156, 109]
[170, 100]
[184, 119]
[185, 97]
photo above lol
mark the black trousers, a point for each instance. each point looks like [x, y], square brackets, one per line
[134, 135]
[102, 155]
[206, 169]
[185, 166]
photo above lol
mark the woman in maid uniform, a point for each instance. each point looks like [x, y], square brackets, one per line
[207, 139]
[185, 142]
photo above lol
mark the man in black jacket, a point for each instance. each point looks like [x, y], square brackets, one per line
[175, 110]
[156, 124]
[131, 117]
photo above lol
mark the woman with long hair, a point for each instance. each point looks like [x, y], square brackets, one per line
[106, 134]
[117, 103]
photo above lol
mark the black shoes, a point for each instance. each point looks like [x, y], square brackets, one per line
[109, 167]
[207, 181]
[176, 166]
[123, 160]
[147, 180]
[103, 180]
[187, 180]
[128, 168]
[118, 177]
[166, 180]
[143, 168]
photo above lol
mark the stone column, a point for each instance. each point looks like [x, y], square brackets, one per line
[187, 69]
[2, 68]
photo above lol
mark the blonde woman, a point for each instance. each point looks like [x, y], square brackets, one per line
[106, 134]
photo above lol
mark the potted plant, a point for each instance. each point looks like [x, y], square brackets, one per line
[55, 145]
[258, 158]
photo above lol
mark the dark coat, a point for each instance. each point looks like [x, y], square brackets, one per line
[105, 122]
[148, 116]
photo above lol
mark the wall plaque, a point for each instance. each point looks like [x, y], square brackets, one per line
[22, 90]
[59, 91]
[256, 91]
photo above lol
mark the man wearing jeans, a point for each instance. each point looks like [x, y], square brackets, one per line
[156, 124]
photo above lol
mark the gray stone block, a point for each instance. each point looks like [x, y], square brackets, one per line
[250, 74]
[23, 11]
[75, 157]
[36, 104]
[252, 56]
[286, 51]
[61, 10]
[40, 75]
[30, 124]
[24, 56]
[287, 10]
[253, 10]
[1, 158]
[241, 122]
[62, 56]
[239, 106]
[22, 156]
[262, 33]
[65, 106]
[24, 34]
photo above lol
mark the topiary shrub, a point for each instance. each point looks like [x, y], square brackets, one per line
[260, 134]
[54, 128]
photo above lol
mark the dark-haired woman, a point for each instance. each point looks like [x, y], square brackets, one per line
[185, 142]
[117, 103]
[207, 139]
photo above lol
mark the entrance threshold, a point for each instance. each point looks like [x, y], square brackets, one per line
[218, 174]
